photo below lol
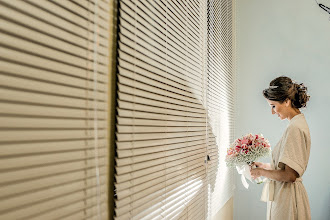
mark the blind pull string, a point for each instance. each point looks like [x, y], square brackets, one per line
[166, 123]
[166, 36]
[96, 155]
[325, 8]
[186, 75]
[131, 208]
[205, 72]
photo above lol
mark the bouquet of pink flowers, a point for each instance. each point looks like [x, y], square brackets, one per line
[244, 151]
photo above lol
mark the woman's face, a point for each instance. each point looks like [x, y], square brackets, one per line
[280, 109]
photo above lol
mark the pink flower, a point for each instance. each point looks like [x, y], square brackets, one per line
[245, 141]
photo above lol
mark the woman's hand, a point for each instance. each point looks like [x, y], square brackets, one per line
[261, 165]
[256, 172]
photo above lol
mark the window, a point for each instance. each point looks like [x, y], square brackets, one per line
[175, 108]
[53, 109]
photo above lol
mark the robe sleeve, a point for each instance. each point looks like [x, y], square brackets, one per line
[293, 150]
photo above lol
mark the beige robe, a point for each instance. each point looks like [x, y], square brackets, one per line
[290, 200]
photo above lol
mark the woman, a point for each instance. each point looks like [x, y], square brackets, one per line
[284, 191]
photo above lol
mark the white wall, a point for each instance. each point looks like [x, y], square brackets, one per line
[289, 38]
[226, 212]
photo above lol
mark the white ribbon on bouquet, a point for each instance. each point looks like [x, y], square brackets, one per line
[244, 170]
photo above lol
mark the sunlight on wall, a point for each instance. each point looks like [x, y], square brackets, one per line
[225, 177]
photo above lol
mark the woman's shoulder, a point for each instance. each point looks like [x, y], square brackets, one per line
[299, 125]
[299, 121]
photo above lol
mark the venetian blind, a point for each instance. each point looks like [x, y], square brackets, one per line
[53, 109]
[162, 129]
[220, 98]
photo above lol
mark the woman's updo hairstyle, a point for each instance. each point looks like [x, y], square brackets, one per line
[283, 88]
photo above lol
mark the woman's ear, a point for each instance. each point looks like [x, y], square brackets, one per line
[287, 102]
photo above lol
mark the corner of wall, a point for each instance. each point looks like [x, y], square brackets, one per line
[226, 212]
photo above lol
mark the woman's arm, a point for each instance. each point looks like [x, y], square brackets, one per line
[286, 175]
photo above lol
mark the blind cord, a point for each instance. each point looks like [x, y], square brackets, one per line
[97, 170]
[325, 8]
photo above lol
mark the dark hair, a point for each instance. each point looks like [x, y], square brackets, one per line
[283, 88]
